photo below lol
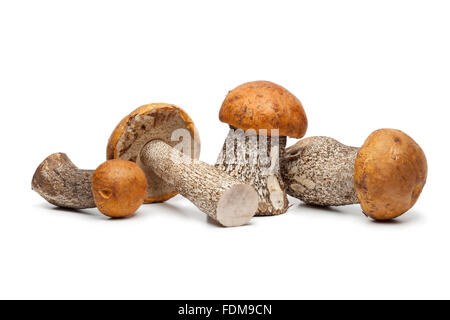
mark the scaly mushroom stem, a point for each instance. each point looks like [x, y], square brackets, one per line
[61, 183]
[254, 159]
[222, 197]
[319, 171]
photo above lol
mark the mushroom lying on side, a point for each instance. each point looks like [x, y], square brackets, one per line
[146, 136]
[117, 187]
[385, 176]
[268, 113]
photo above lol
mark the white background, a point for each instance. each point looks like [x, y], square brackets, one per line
[70, 70]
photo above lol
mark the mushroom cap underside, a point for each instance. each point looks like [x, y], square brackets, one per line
[264, 105]
[390, 173]
[156, 121]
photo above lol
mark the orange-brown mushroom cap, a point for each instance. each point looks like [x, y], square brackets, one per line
[264, 105]
[390, 172]
[156, 121]
[119, 188]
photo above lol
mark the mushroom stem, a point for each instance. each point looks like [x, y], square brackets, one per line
[62, 183]
[254, 160]
[319, 171]
[220, 196]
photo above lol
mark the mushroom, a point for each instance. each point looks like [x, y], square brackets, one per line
[146, 136]
[385, 176]
[268, 113]
[119, 188]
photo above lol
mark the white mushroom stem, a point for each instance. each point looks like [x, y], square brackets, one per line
[254, 159]
[319, 171]
[220, 196]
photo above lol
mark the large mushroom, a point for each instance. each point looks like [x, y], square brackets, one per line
[385, 176]
[150, 136]
[261, 114]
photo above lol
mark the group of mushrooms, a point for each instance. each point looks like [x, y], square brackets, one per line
[254, 171]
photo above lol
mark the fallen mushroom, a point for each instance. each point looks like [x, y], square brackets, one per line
[117, 187]
[145, 137]
[268, 113]
[385, 176]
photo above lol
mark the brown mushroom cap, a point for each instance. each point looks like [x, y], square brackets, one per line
[119, 188]
[264, 105]
[390, 172]
[156, 121]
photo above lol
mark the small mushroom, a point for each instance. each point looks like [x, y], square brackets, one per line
[119, 188]
[116, 187]
[260, 114]
[385, 176]
[146, 137]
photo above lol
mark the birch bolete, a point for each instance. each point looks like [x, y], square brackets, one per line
[150, 136]
[261, 114]
[385, 176]
[117, 187]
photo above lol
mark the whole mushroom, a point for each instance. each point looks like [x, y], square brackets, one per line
[117, 187]
[385, 176]
[261, 114]
[148, 136]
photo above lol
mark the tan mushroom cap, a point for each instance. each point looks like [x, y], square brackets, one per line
[264, 105]
[390, 172]
[155, 121]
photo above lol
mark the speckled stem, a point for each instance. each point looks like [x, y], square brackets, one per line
[319, 171]
[62, 184]
[222, 197]
[255, 160]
